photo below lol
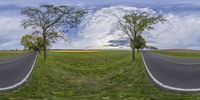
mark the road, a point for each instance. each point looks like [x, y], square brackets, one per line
[15, 71]
[172, 73]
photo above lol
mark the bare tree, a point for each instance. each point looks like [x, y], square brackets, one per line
[51, 22]
[137, 22]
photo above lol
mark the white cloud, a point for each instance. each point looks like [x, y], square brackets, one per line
[10, 32]
[180, 31]
[98, 27]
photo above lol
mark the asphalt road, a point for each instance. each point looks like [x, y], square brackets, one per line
[15, 71]
[177, 74]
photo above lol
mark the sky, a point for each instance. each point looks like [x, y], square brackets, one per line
[181, 30]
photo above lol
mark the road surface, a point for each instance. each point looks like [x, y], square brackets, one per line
[15, 71]
[177, 74]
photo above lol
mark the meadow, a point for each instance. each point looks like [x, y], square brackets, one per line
[102, 75]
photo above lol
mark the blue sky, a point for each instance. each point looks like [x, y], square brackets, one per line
[182, 30]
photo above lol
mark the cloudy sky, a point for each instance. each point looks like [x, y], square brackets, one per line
[182, 29]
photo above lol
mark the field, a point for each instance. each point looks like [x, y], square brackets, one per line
[10, 53]
[73, 51]
[103, 75]
[180, 53]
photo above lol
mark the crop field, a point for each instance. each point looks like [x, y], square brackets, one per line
[10, 53]
[73, 51]
[102, 75]
[180, 53]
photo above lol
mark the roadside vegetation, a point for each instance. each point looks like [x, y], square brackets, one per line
[103, 75]
[10, 54]
[49, 24]
[135, 23]
[179, 53]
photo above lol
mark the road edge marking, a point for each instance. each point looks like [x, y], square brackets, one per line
[22, 81]
[167, 86]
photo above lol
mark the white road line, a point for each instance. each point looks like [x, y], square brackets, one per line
[167, 86]
[22, 81]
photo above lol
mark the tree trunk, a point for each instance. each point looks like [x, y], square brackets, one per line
[39, 51]
[133, 54]
[138, 50]
[45, 47]
[133, 49]
[45, 53]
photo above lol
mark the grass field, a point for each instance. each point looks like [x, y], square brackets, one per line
[180, 53]
[9, 53]
[74, 51]
[104, 75]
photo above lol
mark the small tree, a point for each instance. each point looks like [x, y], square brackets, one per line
[26, 41]
[31, 42]
[135, 23]
[140, 43]
[38, 44]
[51, 22]
[151, 47]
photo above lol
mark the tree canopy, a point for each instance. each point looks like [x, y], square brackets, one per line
[140, 43]
[51, 22]
[136, 22]
[31, 42]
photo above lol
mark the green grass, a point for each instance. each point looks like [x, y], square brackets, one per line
[105, 75]
[3, 55]
[179, 54]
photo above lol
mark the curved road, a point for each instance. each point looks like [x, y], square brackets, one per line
[15, 71]
[177, 74]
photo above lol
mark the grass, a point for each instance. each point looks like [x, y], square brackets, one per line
[190, 54]
[73, 51]
[103, 75]
[2, 55]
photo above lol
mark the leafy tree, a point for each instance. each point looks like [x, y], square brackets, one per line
[38, 44]
[136, 22]
[26, 41]
[140, 43]
[31, 42]
[51, 22]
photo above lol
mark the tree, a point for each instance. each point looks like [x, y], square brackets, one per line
[31, 42]
[51, 22]
[140, 43]
[26, 41]
[136, 22]
[39, 44]
[151, 48]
